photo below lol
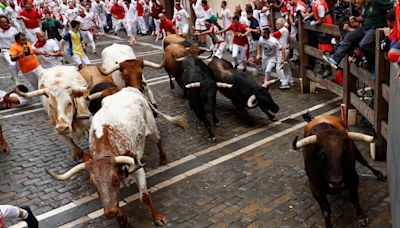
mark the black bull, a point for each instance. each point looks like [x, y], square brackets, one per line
[330, 155]
[245, 93]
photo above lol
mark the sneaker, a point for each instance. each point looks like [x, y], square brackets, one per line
[31, 219]
[331, 61]
[244, 70]
[291, 83]
[284, 87]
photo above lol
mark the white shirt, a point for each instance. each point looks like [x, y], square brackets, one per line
[13, 13]
[22, 101]
[71, 14]
[63, 8]
[7, 38]
[283, 40]
[48, 61]
[86, 22]
[131, 13]
[181, 17]
[226, 16]
[264, 18]
[243, 18]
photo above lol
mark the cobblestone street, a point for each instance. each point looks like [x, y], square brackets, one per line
[249, 178]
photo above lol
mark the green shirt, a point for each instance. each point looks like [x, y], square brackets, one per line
[374, 13]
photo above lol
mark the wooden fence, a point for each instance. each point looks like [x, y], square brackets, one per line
[378, 114]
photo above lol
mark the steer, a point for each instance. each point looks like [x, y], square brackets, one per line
[245, 93]
[62, 89]
[330, 155]
[117, 137]
[3, 142]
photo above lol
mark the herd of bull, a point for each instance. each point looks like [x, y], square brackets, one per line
[114, 103]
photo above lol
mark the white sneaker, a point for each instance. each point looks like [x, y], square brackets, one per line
[284, 87]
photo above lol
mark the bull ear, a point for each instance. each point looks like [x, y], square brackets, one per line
[86, 157]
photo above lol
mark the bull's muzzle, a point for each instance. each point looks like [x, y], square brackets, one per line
[110, 212]
[336, 182]
[63, 128]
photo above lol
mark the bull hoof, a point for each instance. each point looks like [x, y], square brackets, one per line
[5, 148]
[163, 162]
[212, 139]
[77, 153]
[363, 220]
[160, 220]
[123, 220]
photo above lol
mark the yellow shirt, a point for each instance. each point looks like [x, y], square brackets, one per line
[77, 48]
[27, 63]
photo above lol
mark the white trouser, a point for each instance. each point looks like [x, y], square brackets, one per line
[235, 52]
[183, 29]
[12, 66]
[142, 25]
[253, 47]
[199, 25]
[293, 33]
[88, 38]
[268, 64]
[80, 59]
[33, 76]
[16, 24]
[218, 49]
[118, 24]
[228, 40]
[286, 76]
[12, 212]
[157, 23]
[131, 27]
[31, 34]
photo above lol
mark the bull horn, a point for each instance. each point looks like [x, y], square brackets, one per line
[224, 85]
[360, 137]
[105, 72]
[304, 142]
[95, 96]
[68, 174]
[35, 93]
[181, 59]
[153, 65]
[205, 57]
[204, 49]
[250, 101]
[129, 161]
[268, 83]
[193, 85]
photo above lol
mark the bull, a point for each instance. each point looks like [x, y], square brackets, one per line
[62, 90]
[330, 155]
[117, 138]
[4, 146]
[244, 93]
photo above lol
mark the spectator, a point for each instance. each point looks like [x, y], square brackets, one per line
[267, 50]
[76, 45]
[51, 27]
[182, 20]
[240, 42]
[13, 212]
[373, 17]
[226, 17]
[22, 52]
[394, 53]
[7, 38]
[166, 25]
[12, 100]
[50, 47]
[298, 10]
[282, 35]
[31, 20]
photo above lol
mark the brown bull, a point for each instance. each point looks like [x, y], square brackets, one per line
[3, 142]
[330, 155]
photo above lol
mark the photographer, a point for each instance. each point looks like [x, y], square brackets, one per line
[23, 53]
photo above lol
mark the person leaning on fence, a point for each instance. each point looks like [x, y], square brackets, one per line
[394, 52]
[321, 16]
[12, 212]
[373, 17]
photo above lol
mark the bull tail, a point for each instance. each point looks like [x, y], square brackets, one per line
[179, 121]
[307, 116]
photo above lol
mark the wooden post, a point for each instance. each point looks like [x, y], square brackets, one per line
[349, 85]
[272, 18]
[304, 58]
[381, 107]
[169, 7]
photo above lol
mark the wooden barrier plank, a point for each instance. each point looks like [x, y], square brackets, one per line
[386, 92]
[331, 86]
[363, 108]
[314, 52]
[324, 28]
[384, 129]
[304, 58]
[362, 74]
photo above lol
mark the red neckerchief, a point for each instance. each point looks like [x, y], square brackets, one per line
[206, 8]
[39, 44]
[6, 28]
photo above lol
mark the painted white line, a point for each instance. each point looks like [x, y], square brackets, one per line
[205, 166]
[202, 152]
[150, 45]
[156, 79]
[19, 109]
[113, 37]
